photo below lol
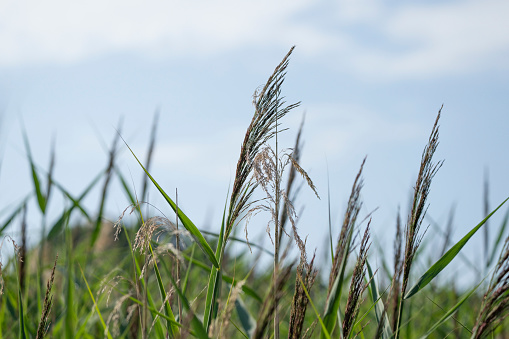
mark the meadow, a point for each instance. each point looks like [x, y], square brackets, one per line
[157, 276]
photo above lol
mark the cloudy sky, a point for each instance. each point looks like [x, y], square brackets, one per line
[371, 76]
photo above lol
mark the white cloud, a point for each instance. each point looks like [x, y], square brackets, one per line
[62, 31]
[366, 37]
[429, 40]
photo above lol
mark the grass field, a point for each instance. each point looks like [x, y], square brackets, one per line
[150, 276]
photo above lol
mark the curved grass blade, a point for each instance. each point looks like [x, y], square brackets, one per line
[379, 307]
[247, 321]
[437, 267]
[231, 238]
[196, 324]
[451, 311]
[325, 333]
[41, 199]
[22, 329]
[126, 188]
[14, 214]
[95, 304]
[246, 289]
[214, 285]
[76, 203]
[333, 302]
[188, 224]
[171, 328]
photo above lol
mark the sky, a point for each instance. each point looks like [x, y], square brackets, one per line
[370, 75]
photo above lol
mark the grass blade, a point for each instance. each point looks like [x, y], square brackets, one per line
[247, 321]
[451, 311]
[196, 324]
[325, 333]
[188, 224]
[95, 305]
[41, 199]
[171, 328]
[22, 329]
[437, 267]
[381, 315]
[14, 214]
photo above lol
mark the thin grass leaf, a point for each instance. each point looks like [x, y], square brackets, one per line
[245, 288]
[70, 315]
[171, 328]
[196, 324]
[247, 321]
[41, 199]
[76, 203]
[333, 301]
[188, 271]
[126, 188]
[381, 314]
[243, 241]
[437, 267]
[325, 333]
[214, 284]
[95, 304]
[451, 311]
[188, 224]
[22, 326]
[14, 214]
[107, 180]
[150, 152]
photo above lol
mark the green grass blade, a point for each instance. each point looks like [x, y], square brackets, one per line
[333, 302]
[196, 324]
[247, 321]
[325, 333]
[188, 271]
[41, 199]
[379, 307]
[76, 203]
[214, 284]
[246, 289]
[95, 305]
[171, 328]
[14, 214]
[240, 240]
[107, 180]
[21, 312]
[126, 188]
[437, 267]
[451, 311]
[22, 329]
[188, 224]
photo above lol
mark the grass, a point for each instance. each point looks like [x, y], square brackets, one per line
[148, 276]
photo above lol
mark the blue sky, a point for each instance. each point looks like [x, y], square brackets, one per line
[371, 76]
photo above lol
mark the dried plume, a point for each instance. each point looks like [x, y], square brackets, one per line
[48, 302]
[269, 109]
[413, 237]
[345, 237]
[307, 273]
[357, 286]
